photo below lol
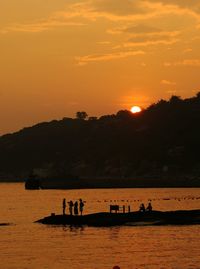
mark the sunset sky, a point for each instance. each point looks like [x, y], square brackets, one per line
[99, 56]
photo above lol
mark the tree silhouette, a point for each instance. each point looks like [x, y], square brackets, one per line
[81, 115]
[92, 118]
[175, 99]
[198, 95]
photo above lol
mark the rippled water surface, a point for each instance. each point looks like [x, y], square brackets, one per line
[26, 244]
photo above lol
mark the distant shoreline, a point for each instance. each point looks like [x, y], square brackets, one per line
[106, 183]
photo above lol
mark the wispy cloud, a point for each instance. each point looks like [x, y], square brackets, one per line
[168, 82]
[175, 7]
[104, 42]
[113, 10]
[188, 50]
[192, 4]
[74, 15]
[154, 38]
[39, 26]
[141, 29]
[148, 36]
[134, 20]
[186, 62]
[133, 10]
[68, 17]
[118, 11]
[107, 57]
[171, 92]
[137, 29]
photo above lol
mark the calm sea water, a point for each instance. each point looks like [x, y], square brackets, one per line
[26, 244]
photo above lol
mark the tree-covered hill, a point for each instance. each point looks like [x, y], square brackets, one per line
[162, 141]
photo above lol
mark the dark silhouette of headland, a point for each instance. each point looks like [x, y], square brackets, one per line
[158, 147]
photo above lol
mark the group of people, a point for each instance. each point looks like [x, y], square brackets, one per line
[148, 208]
[74, 208]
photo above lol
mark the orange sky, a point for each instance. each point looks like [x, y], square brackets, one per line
[59, 57]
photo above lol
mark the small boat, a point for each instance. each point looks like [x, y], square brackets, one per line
[103, 219]
[32, 183]
[52, 182]
[4, 224]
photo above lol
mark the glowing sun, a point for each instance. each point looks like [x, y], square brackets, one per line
[136, 109]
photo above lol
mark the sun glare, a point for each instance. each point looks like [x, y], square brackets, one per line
[136, 109]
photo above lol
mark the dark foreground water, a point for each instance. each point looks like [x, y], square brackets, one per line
[25, 244]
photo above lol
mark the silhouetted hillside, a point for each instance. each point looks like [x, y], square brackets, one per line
[161, 142]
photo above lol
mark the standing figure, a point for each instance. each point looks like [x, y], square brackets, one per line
[149, 207]
[64, 206]
[71, 207]
[81, 205]
[142, 208]
[76, 208]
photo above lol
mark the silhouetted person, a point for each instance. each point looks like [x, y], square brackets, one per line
[81, 205]
[71, 207]
[142, 208]
[149, 207]
[64, 206]
[76, 208]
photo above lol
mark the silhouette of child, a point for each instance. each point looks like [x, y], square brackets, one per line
[76, 208]
[81, 205]
[64, 206]
[149, 207]
[70, 207]
[142, 208]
